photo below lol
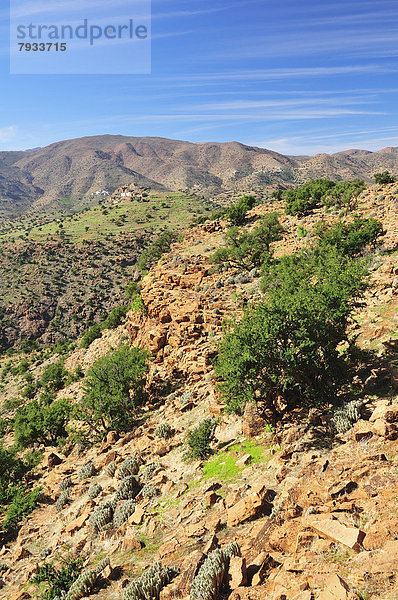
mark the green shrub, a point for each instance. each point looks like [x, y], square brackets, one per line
[306, 197]
[36, 422]
[287, 347]
[93, 333]
[319, 192]
[59, 580]
[200, 438]
[252, 248]
[344, 193]
[384, 177]
[54, 376]
[159, 246]
[131, 290]
[22, 504]
[350, 239]
[115, 317]
[237, 213]
[12, 471]
[114, 388]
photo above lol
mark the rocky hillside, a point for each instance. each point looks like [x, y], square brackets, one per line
[59, 276]
[65, 175]
[293, 511]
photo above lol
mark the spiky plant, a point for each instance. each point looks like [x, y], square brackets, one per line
[345, 417]
[63, 499]
[101, 517]
[148, 471]
[94, 491]
[85, 583]
[88, 470]
[151, 583]
[111, 469]
[65, 483]
[130, 466]
[149, 491]
[164, 430]
[123, 512]
[208, 581]
[128, 488]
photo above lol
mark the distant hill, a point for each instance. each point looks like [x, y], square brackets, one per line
[74, 169]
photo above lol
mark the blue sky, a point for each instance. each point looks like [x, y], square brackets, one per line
[295, 77]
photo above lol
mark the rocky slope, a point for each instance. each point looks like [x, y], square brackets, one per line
[75, 169]
[314, 513]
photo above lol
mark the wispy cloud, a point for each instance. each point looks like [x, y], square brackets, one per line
[8, 133]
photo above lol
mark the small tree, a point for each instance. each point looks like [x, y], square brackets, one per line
[41, 423]
[350, 238]
[54, 376]
[384, 178]
[236, 213]
[250, 249]
[114, 388]
[288, 346]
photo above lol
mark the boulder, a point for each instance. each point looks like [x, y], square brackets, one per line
[333, 529]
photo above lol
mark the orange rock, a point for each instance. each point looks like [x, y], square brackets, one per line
[237, 572]
[76, 524]
[332, 528]
[137, 516]
[336, 589]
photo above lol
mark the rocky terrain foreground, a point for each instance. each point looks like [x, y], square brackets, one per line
[315, 514]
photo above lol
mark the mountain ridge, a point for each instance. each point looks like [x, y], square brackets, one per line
[32, 181]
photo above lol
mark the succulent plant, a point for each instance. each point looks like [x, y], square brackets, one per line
[94, 491]
[164, 430]
[128, 488]
[130, 466]
[65, 483]
[148, 472]
[63, 498]
[88, 470]
[151, 583]
[85, 583]
[111, 469]
[345, 417]
[208, 581]
[101, 517]
[149, 491]
[123, 512]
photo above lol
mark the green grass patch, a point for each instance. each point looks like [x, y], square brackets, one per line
[223, 465]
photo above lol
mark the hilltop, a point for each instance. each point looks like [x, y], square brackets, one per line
[297, 509]
[65, 176]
